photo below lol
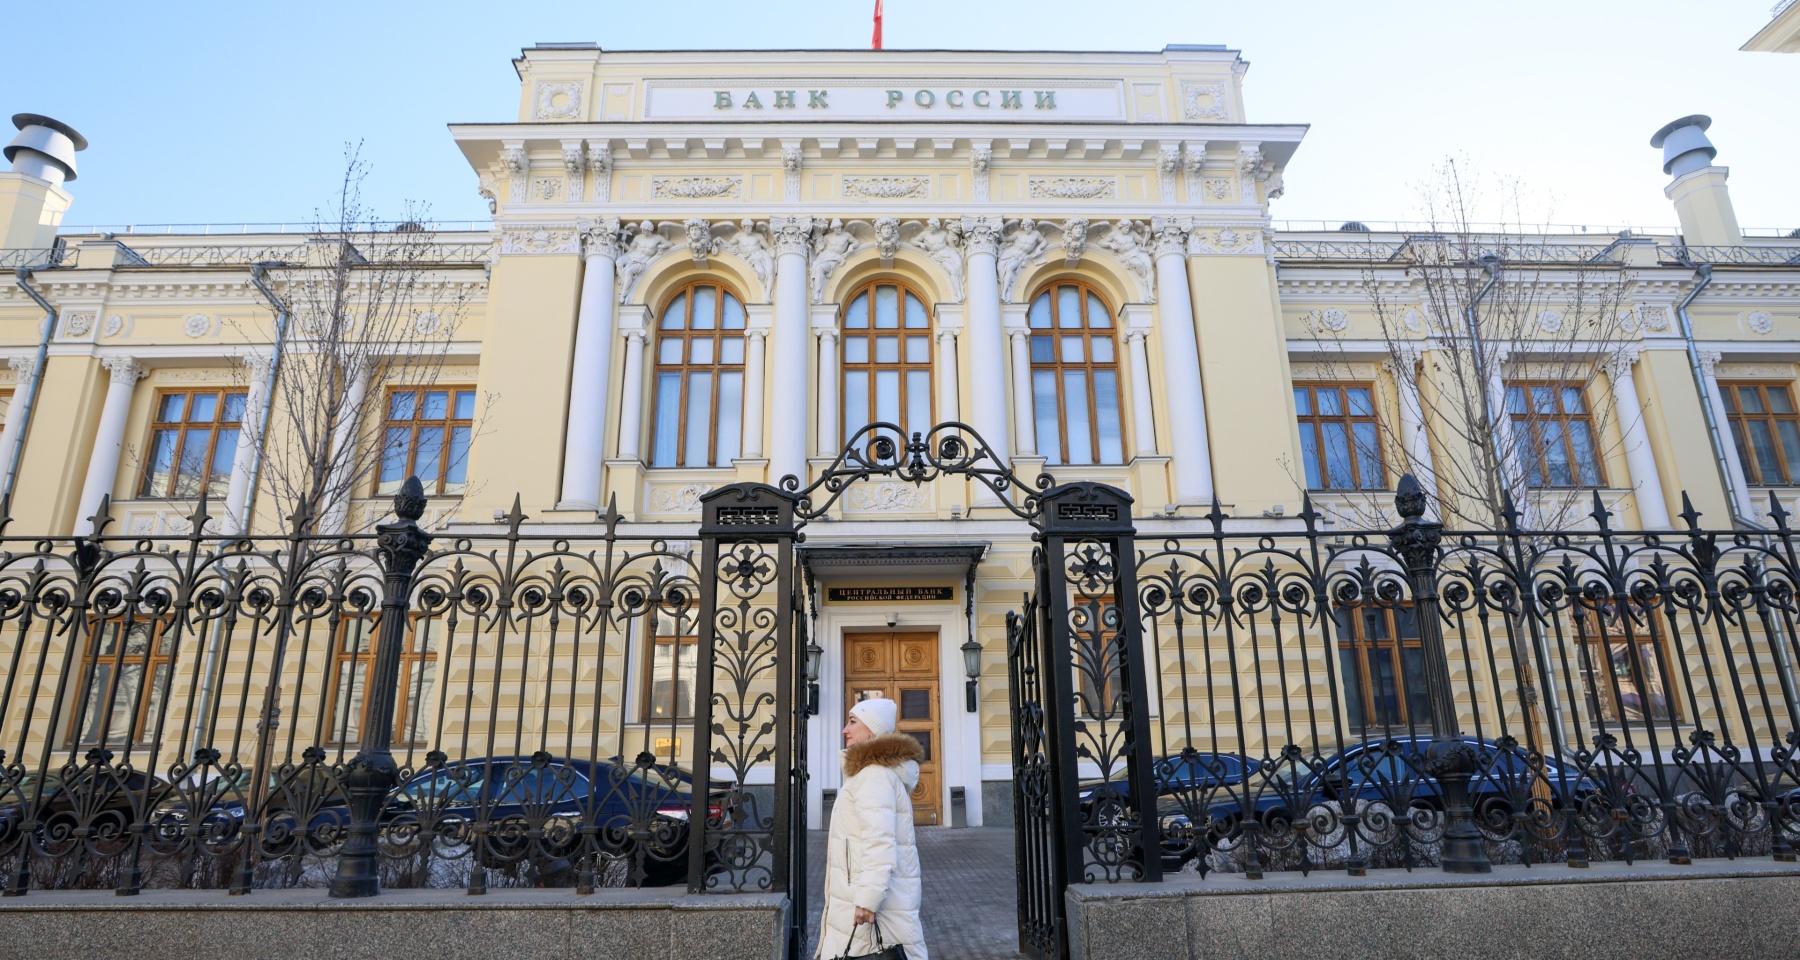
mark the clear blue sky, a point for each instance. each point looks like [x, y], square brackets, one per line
[227, 112]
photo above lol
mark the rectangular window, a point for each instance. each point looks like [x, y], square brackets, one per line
[671, 672]
[426, 433]
[1382, 668]
[1766, 428]
[353, 667]
[123, 674]
[1624, 667]
[1552, 423]
[1340, 437]
[193, 441]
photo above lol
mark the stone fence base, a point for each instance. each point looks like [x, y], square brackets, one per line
[1717, 908]
[411, 924]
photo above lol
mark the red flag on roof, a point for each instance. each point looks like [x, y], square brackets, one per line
[875, 41]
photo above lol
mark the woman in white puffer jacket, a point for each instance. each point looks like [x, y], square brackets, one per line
[872, 876]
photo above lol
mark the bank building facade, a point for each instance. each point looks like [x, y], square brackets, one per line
[714, 268]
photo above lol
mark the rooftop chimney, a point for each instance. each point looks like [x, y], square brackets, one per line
[44, 148]
[1698, 190]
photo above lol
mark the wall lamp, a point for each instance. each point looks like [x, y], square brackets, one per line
[813, 654]
[971, 652]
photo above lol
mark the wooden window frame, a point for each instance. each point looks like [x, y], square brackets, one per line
[1316, 422]
[1737, 421]
[681, 643]
[91, 659]
[181, 428]
[438, 486]
[363, 657]
[1353, 638]
[1525, 423]
[687, 334]
[1595, 637]
[1087, 365]
[869, 332]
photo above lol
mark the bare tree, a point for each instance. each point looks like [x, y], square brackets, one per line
[372, 308]
[1494, 336]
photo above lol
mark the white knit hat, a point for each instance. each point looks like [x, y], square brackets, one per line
[877, 714]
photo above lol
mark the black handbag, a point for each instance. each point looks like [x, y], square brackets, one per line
[882, 950]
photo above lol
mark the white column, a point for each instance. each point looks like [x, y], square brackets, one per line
[1143, 417]
[787, 396]
[243, 459]
[631, 399]
[1646, 480]
[949, 386]
[584, 442]
[755, 361]
[1413, 436]
[339, 482]
[829, 440]
[109, 439]
[1024, 423]
[1190, 450]
[987, 344]
[25, 369]
[1709, 361]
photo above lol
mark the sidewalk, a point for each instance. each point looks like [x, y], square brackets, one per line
[971, 893]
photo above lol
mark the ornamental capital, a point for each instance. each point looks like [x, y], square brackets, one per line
[1619, 364]
[22, 364]
[1169, 236]
[260, 365]
[125, 370]
[793, 235]
[982, 235]
[599, 237]
[826, 335]
[1709, 361]
[946, 335]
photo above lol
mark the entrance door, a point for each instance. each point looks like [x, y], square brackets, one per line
[903, 667]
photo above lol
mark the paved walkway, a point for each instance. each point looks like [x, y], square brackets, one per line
[971, 907]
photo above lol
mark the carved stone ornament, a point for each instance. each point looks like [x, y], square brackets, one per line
[1216, 188]
[981, 157]
[559, 101]
[546, 188]
[1549, 321]
[21, 365]
[1250, 163]
[792, 235]
[1123, 242]
[1709, 361]
[792, 159]
[1204, 101]
[1760, 322]
[883, 497]
[1333, 319]
[1025, 246]
[574, 164]
[887, 239]
[678, 498]
[700, 240]
[1169, 236]
[1226, 241]
[640, 251]
[1168, 166]
[832, 248]
[600, 165]
[77, 323]
[887, 188]
[1193, 162]
[1074, 241]
[982, 235]
[942, 242]
[1619, 364]
[427, 323]
[753, 247]
[1072, 188]
[516, 165]
[1413, 320]
[124, 369]
[1654, 318]
[541, 239]
[198, 325]
[115, 324]
[697, 188]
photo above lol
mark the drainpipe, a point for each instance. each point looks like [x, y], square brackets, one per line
[1489, 264]
[1704, 273]
[22, 412]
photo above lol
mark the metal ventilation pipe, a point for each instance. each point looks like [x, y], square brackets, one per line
[45, 148]
[1684, 145]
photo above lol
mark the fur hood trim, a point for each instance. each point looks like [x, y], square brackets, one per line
[887, 750]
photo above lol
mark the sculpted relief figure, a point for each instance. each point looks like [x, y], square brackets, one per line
[941, 242]
[829, 253]
[1026, 245]
[645, 246]
[755, 249]
[1122, 241]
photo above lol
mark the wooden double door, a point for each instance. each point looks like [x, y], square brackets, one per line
[903, 667]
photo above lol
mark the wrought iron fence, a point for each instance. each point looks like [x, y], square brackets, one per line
[1420, 697]
[510, 709]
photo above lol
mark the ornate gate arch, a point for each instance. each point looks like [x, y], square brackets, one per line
[1075, 670]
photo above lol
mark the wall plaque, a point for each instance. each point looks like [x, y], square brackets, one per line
[889, 594]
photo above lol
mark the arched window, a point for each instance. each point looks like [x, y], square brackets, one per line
[887, 358]
[1075, 376]
[699, 379]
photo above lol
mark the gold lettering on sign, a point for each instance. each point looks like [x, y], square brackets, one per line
[889, 594]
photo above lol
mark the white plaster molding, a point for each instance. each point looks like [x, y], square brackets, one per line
[727, 187]
[1072, 188]
[559, 101]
